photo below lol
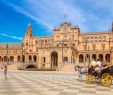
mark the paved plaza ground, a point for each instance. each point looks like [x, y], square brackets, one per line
[48, 83]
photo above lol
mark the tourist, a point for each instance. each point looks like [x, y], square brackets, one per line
[4, 67]
[98, 66]
[93, 63]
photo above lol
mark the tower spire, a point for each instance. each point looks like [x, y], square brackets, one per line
[29, 24]
[29, 30]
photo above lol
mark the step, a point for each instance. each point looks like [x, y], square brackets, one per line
[12, 66]
[68, 67]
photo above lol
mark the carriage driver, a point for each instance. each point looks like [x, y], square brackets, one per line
[96, 65]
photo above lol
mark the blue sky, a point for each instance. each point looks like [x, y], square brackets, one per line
[44, 15]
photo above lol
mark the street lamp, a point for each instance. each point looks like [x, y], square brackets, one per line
[7, 53]
[88, 57]
[87, 50]
[62, 43]
[22, 55]
[103, 49]
[22, 52]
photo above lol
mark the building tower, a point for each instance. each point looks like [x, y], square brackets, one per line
[28, 30]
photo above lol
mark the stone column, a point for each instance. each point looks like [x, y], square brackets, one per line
[48, 60]
[111, 58]
[26, 58]
[84, 55]
[90, 57]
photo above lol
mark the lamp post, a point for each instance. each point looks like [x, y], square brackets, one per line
[88, 60]
[22, 52]
[22, 55]
[86, 49]
[7, 53]
[62, 43]
[103, 49]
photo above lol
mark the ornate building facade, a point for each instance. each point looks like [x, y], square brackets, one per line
[66, 45]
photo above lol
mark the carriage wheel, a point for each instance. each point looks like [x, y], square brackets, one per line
[106, 80]
[89, 78]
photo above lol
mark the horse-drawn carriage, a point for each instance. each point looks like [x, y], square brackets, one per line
[104, 76]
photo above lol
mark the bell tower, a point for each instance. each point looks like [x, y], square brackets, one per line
[28, 35]
[28, 30]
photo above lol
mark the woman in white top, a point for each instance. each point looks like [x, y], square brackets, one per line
[98, 66]
[93, 63]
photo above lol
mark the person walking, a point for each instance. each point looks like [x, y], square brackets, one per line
[5, 71]
[4, 67]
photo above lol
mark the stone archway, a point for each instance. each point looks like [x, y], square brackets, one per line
[31, 66]
[81, 58]
[11, 58]
[101, 57]
[107, 57]
[94, 57]
[54, 59]
[35, 58]
[18, 58]
[30, 58]
[5, 59]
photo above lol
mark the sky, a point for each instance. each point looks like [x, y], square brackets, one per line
[44, 15]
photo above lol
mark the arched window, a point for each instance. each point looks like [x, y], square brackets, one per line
[5, 59]
[81, 58]
[11, 58]
[107, 57]
[94, 57]
[34, 58]
[23, 59]
[30, 58]
[18, 58]
[101, 57]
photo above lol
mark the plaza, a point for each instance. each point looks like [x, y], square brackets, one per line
[47, 45]
[48, 83]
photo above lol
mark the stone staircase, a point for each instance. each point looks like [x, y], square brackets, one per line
[68, 67]
[12, 66]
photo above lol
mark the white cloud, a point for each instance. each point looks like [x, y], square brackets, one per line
[13, 37]
[28, 14]
[50, 13]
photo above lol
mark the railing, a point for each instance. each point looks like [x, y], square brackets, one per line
[23, 65]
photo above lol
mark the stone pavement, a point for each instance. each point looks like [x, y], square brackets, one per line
[48, 83]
